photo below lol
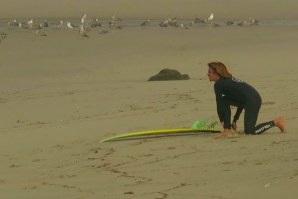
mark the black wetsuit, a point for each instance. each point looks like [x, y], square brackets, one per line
[232, 91]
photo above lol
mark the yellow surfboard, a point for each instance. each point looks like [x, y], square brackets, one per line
[160, 132]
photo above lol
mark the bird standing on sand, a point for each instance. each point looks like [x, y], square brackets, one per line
[253, 21]
[248, 22]
[30, 22]
[95, 23]
[83, 20]
[187, 26]
[145, 23]
[173, 22]
[229, 23]
[69, 25]
[210, 18]
[82, 31]
[114, 18]
[59, 25]
[183, 26]
[45, 23]
[113, 25]
[164, 23]
[198, 20]
[13, 23]
[33, 26]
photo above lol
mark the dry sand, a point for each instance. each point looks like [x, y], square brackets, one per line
[61, 94]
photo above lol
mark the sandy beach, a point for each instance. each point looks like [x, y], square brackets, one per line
[61, 94]
[142, 9]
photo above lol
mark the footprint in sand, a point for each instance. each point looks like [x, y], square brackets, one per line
[63, 176]
[38, 160]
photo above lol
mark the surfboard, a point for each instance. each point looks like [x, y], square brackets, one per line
[159, 132]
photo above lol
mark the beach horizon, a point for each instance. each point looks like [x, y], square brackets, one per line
[127, 9]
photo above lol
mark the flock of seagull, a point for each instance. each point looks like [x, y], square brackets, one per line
[86, 24]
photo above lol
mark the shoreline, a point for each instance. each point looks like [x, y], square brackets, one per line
[131, 23]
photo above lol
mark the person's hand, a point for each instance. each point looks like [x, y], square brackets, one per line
[234, 125]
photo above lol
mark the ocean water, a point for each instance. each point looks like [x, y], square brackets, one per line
[135, 23]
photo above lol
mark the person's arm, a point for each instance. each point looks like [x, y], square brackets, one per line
[236, 117]
[219, 103]
[237, 114]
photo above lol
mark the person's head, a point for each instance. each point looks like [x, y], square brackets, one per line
[217, 70]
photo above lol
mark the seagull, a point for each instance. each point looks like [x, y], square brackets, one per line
[33, 26]
[14, 23]
[30, 22]
[198, 20]
[253, 21]
[112, 23]
[45, 23]
[21, 25]
[164, 23]
[187, 26]
[60, 24]
[229, 23]
[173, 22]
[69, 25]
[145, 23]
[83, 31]
[95, 23]
[210, 18]
[83, 20]
[184, 26]
[114, 18]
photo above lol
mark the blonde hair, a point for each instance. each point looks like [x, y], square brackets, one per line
[220, 69]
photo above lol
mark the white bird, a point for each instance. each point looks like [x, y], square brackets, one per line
[183, 26]
[45, 23]
[83, 20]
[60, 24]
[69, 25]
[211, 17]
[83, 31]
[114, 18]
[164, 23]
[147, 22]
[30, 22]
[95, 23]
[14, 23]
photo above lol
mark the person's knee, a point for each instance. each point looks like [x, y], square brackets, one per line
[249, 131]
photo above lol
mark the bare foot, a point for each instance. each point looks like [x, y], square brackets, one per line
[223, 135]
[280, 123]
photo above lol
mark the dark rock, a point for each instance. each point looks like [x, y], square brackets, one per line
[168, 74]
